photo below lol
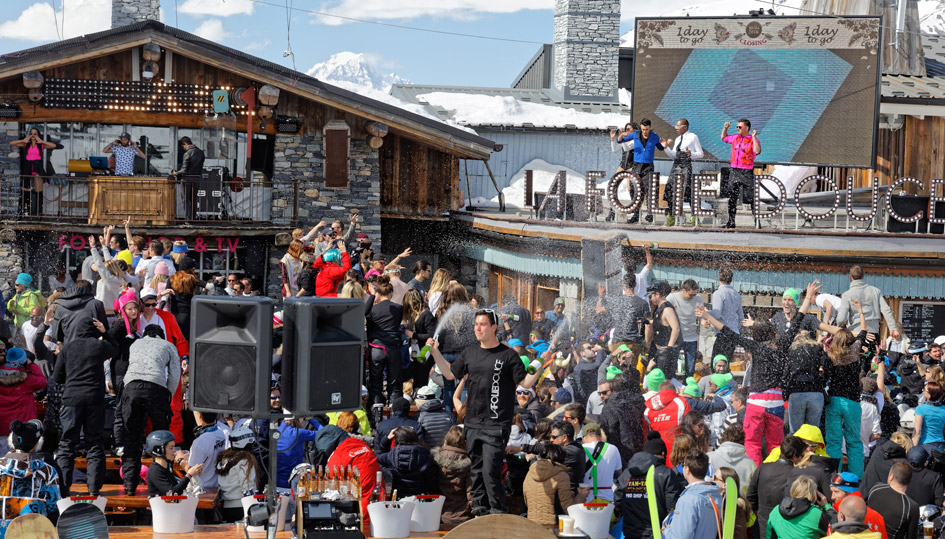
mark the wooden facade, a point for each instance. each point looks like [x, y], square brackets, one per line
[416, 179]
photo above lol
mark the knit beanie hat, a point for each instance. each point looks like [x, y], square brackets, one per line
[161, 269]
[187, 263]
[613, 371]
[562, 396]
[654, 378]
[24, 279]
[16, 356]
[125, 256]
[25, 436]
[692, 388]
[721, 380]
[127, 296]
[793, 294]
[719, 357]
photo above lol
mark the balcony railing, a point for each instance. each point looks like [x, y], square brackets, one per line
[99, 200]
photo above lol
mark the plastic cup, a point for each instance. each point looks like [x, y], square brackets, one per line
[561, 522]
[567, 525]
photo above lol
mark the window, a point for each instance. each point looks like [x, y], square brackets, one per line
[336, 154]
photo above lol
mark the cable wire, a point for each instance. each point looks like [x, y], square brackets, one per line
[773, 5]
[401, 26]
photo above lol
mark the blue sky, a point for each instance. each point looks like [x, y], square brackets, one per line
[259, 28]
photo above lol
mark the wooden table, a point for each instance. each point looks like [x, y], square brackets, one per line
[219, 531]
[117, 498]
[146, 199]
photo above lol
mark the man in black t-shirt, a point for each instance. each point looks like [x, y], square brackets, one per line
[900, 512]
[494, 371]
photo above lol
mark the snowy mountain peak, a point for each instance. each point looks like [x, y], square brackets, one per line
[358, 69]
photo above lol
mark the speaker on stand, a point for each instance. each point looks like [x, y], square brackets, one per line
[231, 355]
[322, 354]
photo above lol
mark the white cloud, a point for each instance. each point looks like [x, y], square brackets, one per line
[217, 8]
[38, 21]
[211, 29]
[410, 9]
[257, 45]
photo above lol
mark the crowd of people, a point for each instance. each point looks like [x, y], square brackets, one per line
[499, 408]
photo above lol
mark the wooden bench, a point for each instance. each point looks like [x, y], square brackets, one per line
[219, 531]
[117, 497]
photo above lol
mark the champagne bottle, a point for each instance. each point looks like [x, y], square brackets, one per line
[356, 482]
[322, 484]
[343, 483]
[422, 355]
[533, 367]
[302, 487]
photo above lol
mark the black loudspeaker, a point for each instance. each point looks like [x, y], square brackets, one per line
[322, 354]
[231, 355]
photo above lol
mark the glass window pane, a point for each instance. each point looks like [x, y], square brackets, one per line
[156, 143]
[85, 141]
[58, 159]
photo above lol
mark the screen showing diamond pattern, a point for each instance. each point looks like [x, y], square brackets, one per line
[808, 85]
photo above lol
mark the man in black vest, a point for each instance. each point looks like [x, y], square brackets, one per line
[191, 169]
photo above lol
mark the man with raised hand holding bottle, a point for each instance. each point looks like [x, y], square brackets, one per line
[494, 370]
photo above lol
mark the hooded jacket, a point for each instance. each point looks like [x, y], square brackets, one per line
[877, 469]
[80, 367]
[695, 516]
[796, 518]
[547, 482]
[455, 483]
[329, 275]
[17, 385]
[631, 497]
[853, 530]
[807, 432]
[622, 420]
[22, 303]
[768, 486]
[74, 305]
[412, 468]
[664, 412]
[397, 419]
[435, 421]
[733, 455]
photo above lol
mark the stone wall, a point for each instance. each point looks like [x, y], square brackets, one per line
[125, 12]
[301, 158]
[9, 167]
[586, 46]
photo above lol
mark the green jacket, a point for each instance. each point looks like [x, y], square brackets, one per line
[22, 303]
[796, 518]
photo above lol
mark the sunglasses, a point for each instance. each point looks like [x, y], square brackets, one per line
[490, 313]
[604, 393]
[523, 392]
[153, 304]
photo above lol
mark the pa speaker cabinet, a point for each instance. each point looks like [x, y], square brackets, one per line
[322, 354]
[231, 354]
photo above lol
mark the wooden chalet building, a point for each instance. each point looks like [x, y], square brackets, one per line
[283, 150]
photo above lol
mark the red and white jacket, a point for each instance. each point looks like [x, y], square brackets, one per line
[664, 412]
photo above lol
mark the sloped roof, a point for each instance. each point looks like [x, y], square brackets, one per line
[255, 68]
[928, 89]
[413, 93]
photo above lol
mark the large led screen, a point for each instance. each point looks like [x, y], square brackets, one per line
[809, 85]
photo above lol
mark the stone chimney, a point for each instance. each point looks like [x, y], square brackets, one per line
[125, 12]
[586, 47]
[902, 36]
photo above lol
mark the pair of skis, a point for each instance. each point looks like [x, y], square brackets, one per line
[729, 506]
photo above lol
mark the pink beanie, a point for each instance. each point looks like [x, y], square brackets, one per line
[160, 269]
[127, 296]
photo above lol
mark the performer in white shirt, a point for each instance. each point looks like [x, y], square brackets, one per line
[683, 149]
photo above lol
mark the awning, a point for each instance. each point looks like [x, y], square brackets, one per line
[565, 268]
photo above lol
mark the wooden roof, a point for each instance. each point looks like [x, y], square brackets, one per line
[437, 134]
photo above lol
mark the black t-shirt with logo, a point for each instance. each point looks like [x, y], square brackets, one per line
[494, 373]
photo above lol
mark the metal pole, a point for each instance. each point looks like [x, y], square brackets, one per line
[468, 192]
[496, 185]
[271, 495]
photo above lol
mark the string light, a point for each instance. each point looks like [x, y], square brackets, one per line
[698, 193]
[812, 178]
[614, 184]
[781, 199]
[933, 220]
[889, 194]
[873, 206]
[591, 193]
[558, 190]
[679, 192]
[653, 196]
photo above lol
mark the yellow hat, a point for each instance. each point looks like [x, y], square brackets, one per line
[125, 256]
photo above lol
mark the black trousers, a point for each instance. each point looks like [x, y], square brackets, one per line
[141, 401]
[645, 172]
[740, 180]
[486, 449]
[666, 359]
[90, 419]
[669, 194]
[389, 358]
